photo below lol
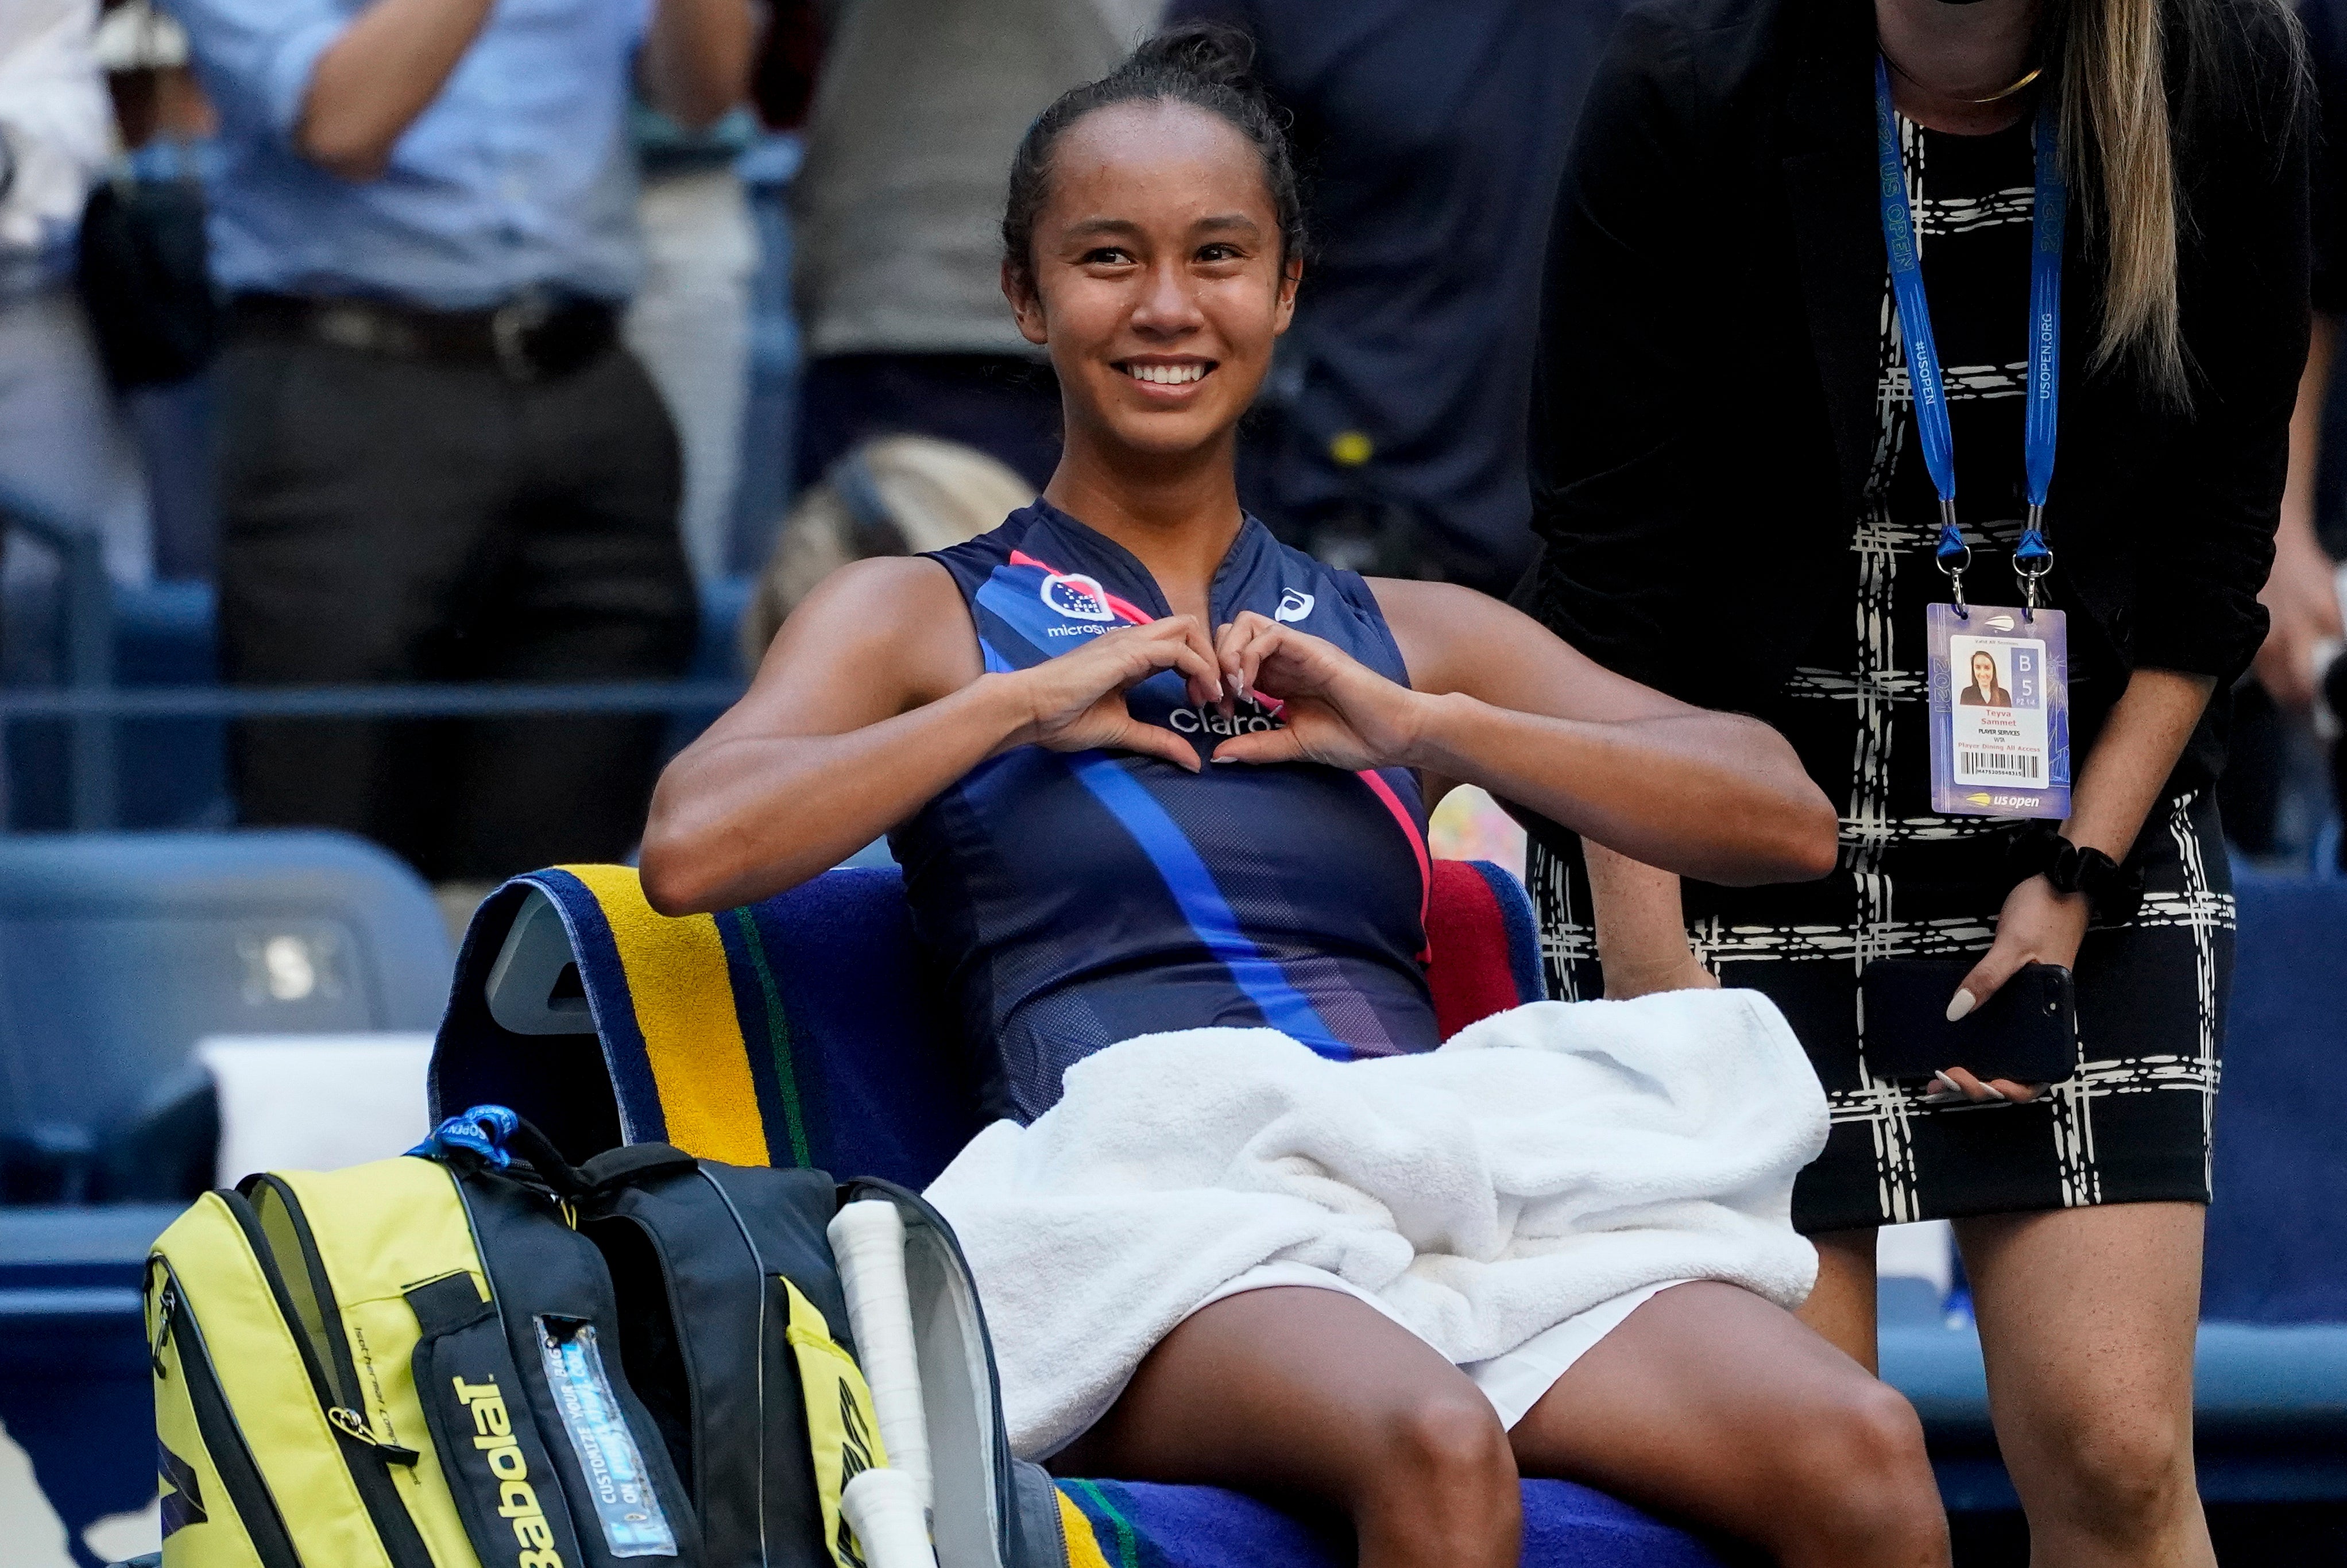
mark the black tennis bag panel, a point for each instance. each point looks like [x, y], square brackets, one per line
[567, 1344]
[697, 1255]
[684, 1269]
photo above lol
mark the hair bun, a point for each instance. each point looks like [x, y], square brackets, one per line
[1208, 51]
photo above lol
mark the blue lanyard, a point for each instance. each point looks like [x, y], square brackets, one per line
[2030, 558]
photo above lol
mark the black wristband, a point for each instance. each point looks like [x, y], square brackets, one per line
[2114, 891]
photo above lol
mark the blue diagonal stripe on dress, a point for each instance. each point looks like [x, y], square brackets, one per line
[1202, 903]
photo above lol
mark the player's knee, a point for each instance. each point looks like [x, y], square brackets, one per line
[1859, 1482]
[1453, 1446]
[2121, 1474]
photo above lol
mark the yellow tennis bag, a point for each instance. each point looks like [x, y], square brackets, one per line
[476, 1356]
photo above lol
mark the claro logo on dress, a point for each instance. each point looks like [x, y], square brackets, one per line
[1077, 597]
[494, 1441]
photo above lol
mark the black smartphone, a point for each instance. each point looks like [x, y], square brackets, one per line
[2027, 1032]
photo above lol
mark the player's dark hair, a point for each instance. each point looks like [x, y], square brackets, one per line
[1207, 67]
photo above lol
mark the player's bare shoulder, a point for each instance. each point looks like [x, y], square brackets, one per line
[895, 622]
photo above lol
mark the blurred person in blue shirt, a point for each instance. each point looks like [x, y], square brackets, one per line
[439, 462]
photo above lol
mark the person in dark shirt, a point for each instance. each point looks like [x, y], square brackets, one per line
[1433, 131]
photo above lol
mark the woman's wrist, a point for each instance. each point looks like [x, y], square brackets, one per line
[1002, 703]
[1431, 724]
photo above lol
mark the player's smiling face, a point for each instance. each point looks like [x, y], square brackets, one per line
[1157, 281]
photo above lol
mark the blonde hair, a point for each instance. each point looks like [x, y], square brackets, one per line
[893, 496]
[2115, 142]
[2118, 144]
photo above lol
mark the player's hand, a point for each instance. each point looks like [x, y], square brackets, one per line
[1334, 710]
[1075, 703]
[2037, 926]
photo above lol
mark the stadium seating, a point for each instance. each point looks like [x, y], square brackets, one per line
[117, 952]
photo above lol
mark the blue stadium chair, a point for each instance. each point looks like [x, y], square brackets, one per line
[2270, 1379]
[117, 953]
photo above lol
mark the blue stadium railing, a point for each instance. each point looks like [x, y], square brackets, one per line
[92, 704]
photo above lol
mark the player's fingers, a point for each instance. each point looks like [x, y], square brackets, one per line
[2019, 1094]
[1198, 664]
[1261, 746]
[1264, 639]
[1149, 740]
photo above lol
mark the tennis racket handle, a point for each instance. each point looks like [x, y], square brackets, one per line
[868, 1241]
[884, 1507]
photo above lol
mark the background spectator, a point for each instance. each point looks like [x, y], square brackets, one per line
[2274, 791]
[438, 462]
[896, 496]
[690, 321]
[916, 114]
[63, 445]
[1433, 131]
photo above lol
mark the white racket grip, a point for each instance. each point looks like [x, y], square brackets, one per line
[884, 1507]
[867, 1240]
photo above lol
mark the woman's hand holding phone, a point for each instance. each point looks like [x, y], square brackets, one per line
[2036, 926]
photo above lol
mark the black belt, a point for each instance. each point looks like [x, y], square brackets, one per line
[533, 337]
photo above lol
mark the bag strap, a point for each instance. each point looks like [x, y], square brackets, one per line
[496, 1137]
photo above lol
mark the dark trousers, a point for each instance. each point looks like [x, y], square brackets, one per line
[1006, 407]
[396, 520]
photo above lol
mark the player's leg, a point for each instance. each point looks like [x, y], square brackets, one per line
[1710, 1404]
[1295, 1389]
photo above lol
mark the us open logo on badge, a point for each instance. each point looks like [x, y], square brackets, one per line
[1077, 597]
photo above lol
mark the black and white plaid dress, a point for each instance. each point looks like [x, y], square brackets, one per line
[2131, 1122]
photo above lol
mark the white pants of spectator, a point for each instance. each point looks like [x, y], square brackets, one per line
[63, 443]
[690, 326]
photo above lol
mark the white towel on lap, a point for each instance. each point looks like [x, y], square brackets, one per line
[1542, 1162]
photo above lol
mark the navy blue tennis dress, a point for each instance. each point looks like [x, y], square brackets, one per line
[1076, 900]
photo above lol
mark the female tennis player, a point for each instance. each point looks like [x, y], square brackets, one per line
[1148, 769]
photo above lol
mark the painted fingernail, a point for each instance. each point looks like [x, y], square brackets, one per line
[1959, 1004]
[1947, 1083]
[1997, 1094]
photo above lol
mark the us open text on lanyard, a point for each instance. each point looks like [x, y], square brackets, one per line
[1999, 674]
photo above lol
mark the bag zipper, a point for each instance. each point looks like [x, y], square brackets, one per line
[232, 1456]
[765, 1296]
[367, 1455]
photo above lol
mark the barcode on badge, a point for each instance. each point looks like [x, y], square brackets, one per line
[2014, 765]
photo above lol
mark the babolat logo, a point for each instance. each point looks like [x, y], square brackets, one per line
[494, 1439]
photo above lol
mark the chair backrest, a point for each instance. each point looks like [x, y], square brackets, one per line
[2276, 1249]
[839, 1052]
[119, 951]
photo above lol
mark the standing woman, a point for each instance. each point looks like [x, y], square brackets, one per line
[1742, 505]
